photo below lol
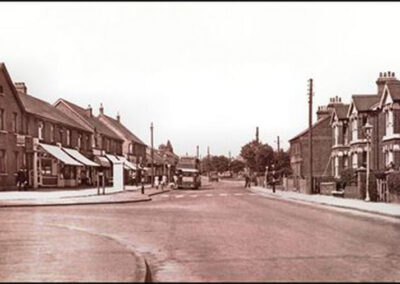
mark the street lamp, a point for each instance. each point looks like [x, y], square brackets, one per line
[368, 131]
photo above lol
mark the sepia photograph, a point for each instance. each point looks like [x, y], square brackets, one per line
[199, 142]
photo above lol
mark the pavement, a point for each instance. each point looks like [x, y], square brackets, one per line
[77, 197]
[381, 208]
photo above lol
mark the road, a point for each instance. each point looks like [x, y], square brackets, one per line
[219, 233]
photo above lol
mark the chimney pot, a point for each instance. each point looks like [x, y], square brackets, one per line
[384, 75]
[380, 74]
[101, 109]
[21, 87]
[89, 111]
[118, 117]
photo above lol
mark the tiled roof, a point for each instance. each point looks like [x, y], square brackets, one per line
[341, 110]
[365, 102]
[394, 89]
[93, 121]
[123, 129]
[46, 110]
[318, 122]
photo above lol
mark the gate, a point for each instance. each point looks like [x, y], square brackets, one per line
[383, 190]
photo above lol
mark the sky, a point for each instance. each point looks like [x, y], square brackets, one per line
[204, 73]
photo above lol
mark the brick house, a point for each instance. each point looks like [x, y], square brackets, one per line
[105, 143]
[12, 138]
[52, 133]
[299, 150]
[340, 143]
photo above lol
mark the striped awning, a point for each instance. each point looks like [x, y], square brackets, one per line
[59, 154]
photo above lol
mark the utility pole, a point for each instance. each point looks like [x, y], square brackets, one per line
[310, 95]
[208, 159]
[152, 156]
[257, 137]
[277, 142]
[197, 151]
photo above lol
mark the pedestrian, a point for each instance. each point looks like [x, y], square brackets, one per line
[156, 182]
[163, 181]
[175, 181]
[266, 177]
[20, 179]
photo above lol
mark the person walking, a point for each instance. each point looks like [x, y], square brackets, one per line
[20, 180]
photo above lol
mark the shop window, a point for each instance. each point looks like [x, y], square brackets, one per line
[46, 166]
[3, 163]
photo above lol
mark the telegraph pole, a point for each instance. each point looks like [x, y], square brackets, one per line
[277, 142]
[197, 151]
[152, 156]
[310, 95]
[257, 137]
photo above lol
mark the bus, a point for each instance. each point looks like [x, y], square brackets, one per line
[188, 172]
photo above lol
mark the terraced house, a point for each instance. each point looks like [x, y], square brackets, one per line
[106, 145]
[57, 155]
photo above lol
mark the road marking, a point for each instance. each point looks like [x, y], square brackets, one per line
[251, 194]
[223, 194]
[209, 194]
[179, 196]
[165, 195]
[193, 195]
[238, 194]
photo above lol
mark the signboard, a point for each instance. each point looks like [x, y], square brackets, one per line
[20, 140]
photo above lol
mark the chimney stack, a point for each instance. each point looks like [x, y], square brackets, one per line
[89, 111]
[384, 77]
[118, 117]
[101, 109]
[21, 87]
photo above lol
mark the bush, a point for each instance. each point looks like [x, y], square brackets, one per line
[346, 177]
[393, 181]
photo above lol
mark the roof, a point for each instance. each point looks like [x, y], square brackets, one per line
[47, 111]
[318, 122]
[118, 125]
[157, 157]
[364, 102]
[394, 89]
[341, 110]
[93, 121]
[11, 85]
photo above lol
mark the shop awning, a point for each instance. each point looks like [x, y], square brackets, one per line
[102, 161]
[59, 154]
[127, 163]
[188, 170]
[112, 158]
[78, 156]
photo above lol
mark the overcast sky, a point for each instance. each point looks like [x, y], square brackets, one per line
[204, 73]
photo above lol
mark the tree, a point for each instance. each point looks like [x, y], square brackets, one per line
[257, 155]
[237, 166]
[282, 163]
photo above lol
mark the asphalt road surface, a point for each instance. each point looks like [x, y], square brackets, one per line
[218, 233]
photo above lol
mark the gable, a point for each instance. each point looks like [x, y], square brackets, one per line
[386, 98]
[10, 95]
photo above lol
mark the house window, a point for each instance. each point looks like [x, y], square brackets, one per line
[87, 142]
[345, 162]
[388, 157]
[68, 137]
[3, 163]
[354, 162]
[336, 166]
[354, 132]
[2, 122]
[389, 122]
[345, 140]
[79, 141]
[15, 122]
[61, 135]
[52, 133]
[336, 135]
[40, 130]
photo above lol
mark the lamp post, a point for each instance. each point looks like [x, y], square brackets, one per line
[152, 156]
[368, 131]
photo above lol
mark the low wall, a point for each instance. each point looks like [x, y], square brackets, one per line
[326, 188]
[351, 191]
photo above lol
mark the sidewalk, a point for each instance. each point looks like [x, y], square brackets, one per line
[381, 208]
[77, 197]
